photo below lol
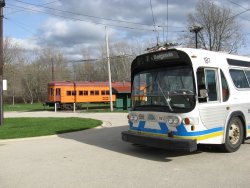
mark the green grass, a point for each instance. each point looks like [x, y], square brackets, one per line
[40, 107]
[25, 107]
[32, 127]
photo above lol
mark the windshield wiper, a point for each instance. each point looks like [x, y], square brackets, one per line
[167, 99]
[146, 87]
[183, 92]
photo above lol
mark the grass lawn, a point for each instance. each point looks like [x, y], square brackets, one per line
[32, 127]
[25, 107]
[40, 107]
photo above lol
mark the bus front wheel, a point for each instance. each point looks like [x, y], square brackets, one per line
[234, 135]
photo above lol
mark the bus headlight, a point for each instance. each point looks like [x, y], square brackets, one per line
[133, 118]
[173, 120]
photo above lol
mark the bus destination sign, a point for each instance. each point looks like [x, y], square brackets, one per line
[165, 55]
[156, 57]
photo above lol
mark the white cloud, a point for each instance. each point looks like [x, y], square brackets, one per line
[28, 44]
[67, 33]
[54, 27]
[71, 35]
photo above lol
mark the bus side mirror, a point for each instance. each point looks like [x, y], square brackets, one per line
[203, 93]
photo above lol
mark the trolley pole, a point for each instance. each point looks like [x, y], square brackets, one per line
[109, 72]
[2, 4]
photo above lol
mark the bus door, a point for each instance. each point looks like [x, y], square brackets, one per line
[212, 109]
[58, 94]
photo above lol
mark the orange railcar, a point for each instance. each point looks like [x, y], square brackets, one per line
[65, 94]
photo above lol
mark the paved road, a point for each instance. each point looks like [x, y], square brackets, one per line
[98, 158]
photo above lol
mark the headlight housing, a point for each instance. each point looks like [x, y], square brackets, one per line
[133, 117]
[173, 120]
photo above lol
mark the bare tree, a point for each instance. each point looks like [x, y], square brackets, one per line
[220, 30]
[14, 60]
[47, 64]
[121, 56]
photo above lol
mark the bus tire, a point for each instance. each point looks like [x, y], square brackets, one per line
[234, 135]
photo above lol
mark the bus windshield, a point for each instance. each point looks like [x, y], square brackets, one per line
[167, 89]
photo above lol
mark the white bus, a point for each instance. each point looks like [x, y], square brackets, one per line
[183, 97]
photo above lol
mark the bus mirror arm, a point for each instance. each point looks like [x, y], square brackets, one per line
[203, 93]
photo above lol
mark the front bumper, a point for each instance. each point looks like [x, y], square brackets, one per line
[186, 145]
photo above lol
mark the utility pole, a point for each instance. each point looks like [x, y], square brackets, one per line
[2, 4]
[195, 29]
[52, 70]
[109, 72]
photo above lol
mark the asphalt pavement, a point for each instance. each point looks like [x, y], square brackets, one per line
[99, 158]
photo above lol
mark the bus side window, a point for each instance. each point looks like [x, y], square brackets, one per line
[211, 84]
[248, 75]
[207, 79]
[224, 86]
[201, 83]
[239, 78]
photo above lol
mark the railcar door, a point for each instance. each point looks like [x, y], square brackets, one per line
[58, 94]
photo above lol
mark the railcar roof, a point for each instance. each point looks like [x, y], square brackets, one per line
[69, 83]
[120, 87]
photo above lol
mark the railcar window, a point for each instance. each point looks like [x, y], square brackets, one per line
[107, 92]
[58, 91]
[96, 92]
[73, 93]
[80, 93]
[92, 92]
[103, 92]
[68, 93]
[239, 78]
[86, 93]
[51, 92]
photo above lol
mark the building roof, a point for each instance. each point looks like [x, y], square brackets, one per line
[122, 89]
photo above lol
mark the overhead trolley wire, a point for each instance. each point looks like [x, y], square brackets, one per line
[79, 19]
[153, 17]
[84, 15]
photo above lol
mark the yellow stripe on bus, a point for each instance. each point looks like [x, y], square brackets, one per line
[201, 137]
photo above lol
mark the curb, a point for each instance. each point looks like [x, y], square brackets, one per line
[28, 138]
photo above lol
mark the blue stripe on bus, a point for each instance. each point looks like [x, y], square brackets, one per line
[181, 130]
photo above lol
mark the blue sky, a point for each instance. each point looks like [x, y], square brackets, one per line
[21, 23]
[26, 22]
